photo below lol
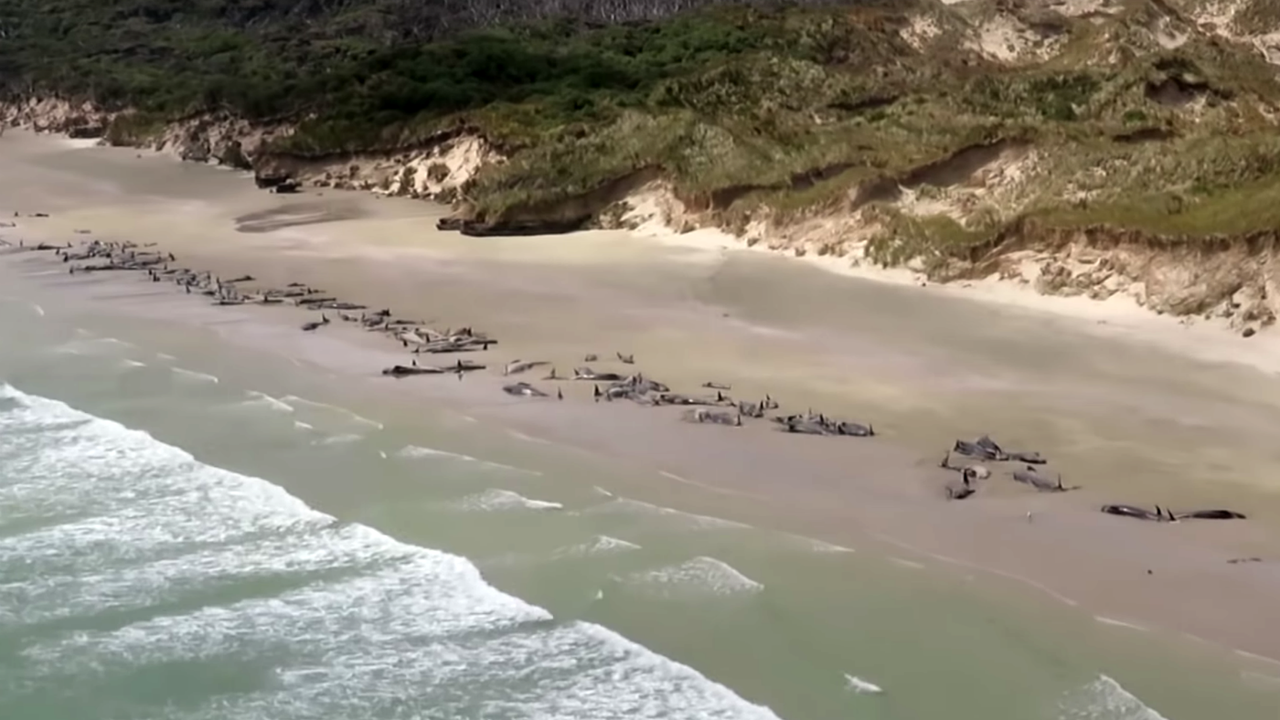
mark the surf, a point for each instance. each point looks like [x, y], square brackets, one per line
[699, 576]
[411, 452]
[499, 500]
[626, 506]
[358, 617]
[1105, 699]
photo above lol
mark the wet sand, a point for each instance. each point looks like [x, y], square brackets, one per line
[1130, 421]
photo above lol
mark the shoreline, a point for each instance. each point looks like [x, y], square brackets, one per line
[517, 417]
[650, 216]
[1121, 315]
[877, 485]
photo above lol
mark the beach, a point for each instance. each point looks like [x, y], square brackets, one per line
[1132, 411]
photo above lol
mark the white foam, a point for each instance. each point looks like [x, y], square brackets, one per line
[367, 623]
[39, 310]
[1269, 682]
[166, 357]
[527, 438]
[701, 575]
[1105, 699]
[91, 346]
[342, 439]
[303, 426]
[1118, 623]
[357, 418]
[907, 563]
[1255, 656]
[627, 506]
[418, 451]
[496, 499]
[860, 686]
[192, 374]
[133, 363]
[818, 546]
[261, 399]
[599, 545]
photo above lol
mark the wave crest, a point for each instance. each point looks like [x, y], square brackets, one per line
[1105, 699]
[364, 621]
[700, 576]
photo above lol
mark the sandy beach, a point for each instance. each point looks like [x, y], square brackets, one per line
[1133, 409]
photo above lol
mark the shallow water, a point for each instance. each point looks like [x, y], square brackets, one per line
[347, 561]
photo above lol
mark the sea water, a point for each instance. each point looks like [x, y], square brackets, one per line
[139, 582]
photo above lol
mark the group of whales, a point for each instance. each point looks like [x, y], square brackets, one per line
[607, 386]
[984, 448]
[98, 256]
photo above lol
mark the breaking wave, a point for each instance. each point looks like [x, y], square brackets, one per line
[162, 562]
[495, 499]
[417, 451]
[261, 399]
[1105, 699]
[627, 506]
[193, 375]
[295, 400]
[599, 545]
[699, 576]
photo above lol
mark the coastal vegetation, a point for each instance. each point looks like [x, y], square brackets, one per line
[946, 127]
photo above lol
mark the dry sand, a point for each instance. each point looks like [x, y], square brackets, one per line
[1130, 420]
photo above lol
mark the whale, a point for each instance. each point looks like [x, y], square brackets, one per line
[1031, 477]
[586, 373]
[523, 389]
[516, 367]
[975, 472]
[1216, 514]
[1133, 512]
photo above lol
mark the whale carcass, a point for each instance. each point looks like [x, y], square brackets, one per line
[1031, 477]
[523, 389]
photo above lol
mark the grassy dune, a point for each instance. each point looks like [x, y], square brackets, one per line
[1133, 115]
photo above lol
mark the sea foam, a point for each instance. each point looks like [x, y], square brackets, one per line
[1105, 699]
[698, 576]
[359, 624]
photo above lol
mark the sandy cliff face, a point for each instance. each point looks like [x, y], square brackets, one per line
[435, 171]
[1227, 280]
[214, 138]
[76, 119]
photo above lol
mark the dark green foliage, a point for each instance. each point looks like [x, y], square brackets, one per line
[738, 106]
[260, 59]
